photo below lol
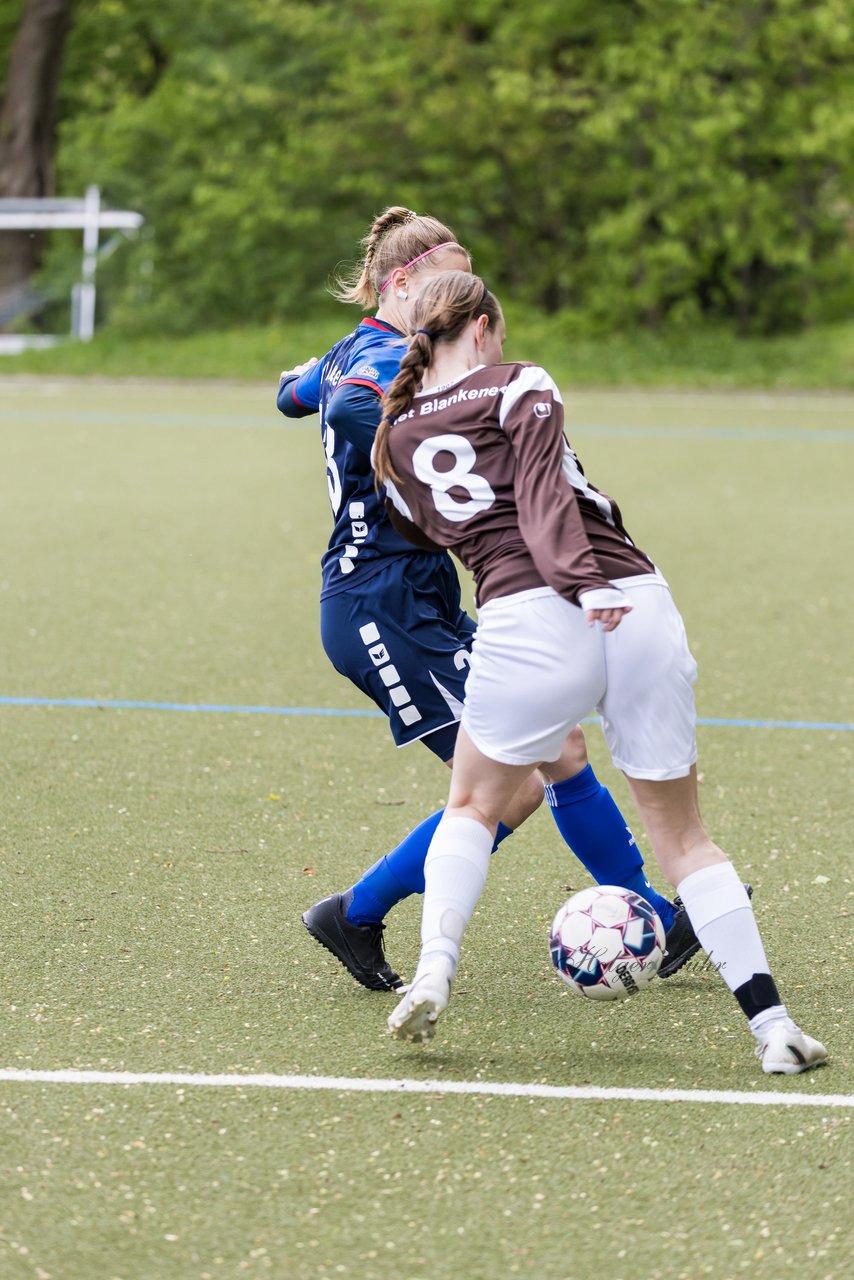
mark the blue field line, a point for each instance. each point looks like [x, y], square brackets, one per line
[225, 708]
[273, 421]
[826, 725]
[127, 704]
[141, 418]
[814, 435]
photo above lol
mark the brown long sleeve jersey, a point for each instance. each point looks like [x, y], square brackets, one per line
[486, 471]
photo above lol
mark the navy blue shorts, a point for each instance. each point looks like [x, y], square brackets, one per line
[404, 640]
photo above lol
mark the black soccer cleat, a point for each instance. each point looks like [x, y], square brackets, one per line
[359, 947]
[681, 943]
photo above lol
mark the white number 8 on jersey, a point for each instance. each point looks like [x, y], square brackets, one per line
[460, 476]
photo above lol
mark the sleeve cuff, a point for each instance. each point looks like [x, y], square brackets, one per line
[603, 598]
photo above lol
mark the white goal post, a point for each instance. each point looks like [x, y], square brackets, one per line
[86, 215]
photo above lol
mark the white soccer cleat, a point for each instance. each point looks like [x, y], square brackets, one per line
[786, 1050]
[426, 997]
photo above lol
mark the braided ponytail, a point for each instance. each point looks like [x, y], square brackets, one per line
[446, 305]
[358, 286]
[398, 400]
[397, 237]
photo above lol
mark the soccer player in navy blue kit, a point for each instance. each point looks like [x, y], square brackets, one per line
[391, 617]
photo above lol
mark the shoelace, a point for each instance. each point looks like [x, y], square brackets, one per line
[375, 935]
[375, 931]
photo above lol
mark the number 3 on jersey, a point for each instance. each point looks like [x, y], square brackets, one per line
[333, 477]
[460, 476]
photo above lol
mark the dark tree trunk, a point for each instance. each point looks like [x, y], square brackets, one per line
[27, 131]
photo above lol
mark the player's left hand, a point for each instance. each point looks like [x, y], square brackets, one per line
[609, 618]
[298, 368]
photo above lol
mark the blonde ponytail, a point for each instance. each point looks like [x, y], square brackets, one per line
[397, 238]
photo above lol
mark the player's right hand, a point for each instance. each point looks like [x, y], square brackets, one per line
[609, 618]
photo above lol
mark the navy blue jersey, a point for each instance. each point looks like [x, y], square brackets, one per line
[345, 387]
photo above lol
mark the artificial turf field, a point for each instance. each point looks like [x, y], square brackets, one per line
[180, 777]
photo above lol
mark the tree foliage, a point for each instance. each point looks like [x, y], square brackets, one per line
[626, 162]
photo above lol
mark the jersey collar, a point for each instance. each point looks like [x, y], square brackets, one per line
[373, 323]
[443, 386]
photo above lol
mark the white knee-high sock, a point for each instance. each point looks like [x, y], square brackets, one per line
[454, 876]
[723, 920]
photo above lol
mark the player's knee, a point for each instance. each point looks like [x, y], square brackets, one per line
[526, 801]
[571, 761]
[574, 754]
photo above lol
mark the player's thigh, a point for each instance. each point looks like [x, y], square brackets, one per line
[648, 711]
[537, 669]
[483, 788]
[406, 656]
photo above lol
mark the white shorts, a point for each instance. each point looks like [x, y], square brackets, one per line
[537, 669]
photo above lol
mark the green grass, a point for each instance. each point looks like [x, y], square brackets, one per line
[463, 1188]
[820, 358]
[162, 545]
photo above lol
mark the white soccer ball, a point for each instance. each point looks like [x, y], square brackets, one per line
[607, 942]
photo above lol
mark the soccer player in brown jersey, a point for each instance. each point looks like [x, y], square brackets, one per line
[571, 616]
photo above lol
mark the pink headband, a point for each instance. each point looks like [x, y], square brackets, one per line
[447, 244]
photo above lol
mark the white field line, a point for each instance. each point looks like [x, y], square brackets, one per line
[343, 1084]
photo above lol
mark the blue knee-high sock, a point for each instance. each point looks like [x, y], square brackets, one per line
[398, 874]
[587, 817]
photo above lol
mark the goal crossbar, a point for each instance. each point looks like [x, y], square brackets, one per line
[48, 214]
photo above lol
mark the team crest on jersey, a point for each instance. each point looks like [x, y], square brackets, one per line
[542, 410]
[366, 371]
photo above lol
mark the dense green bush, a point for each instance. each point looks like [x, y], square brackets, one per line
[626, 162]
